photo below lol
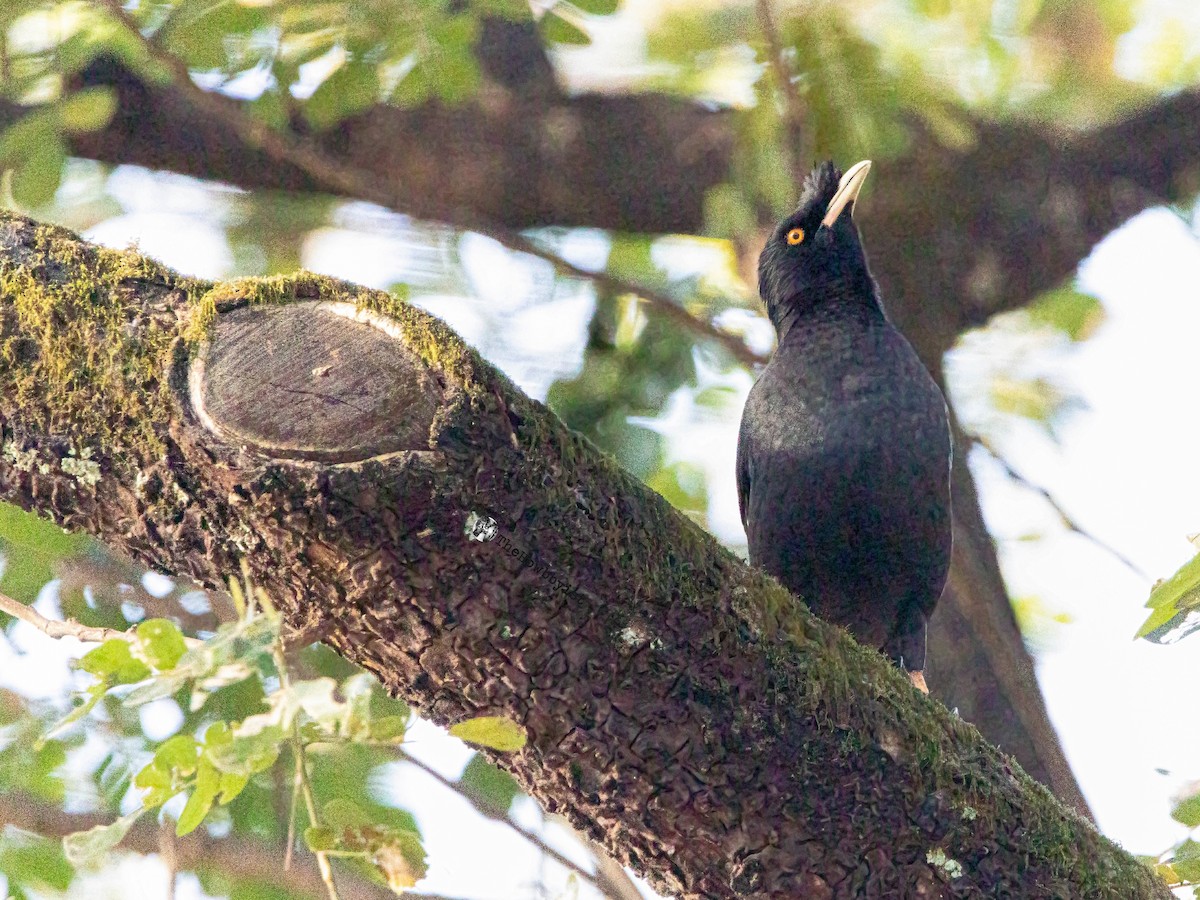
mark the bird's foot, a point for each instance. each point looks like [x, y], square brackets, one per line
[918, 680]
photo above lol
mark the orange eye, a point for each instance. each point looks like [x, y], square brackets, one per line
[795, 236]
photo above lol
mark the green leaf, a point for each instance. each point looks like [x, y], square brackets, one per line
[1186, 860]
[35, 862]
[91, 848]
[350, 89]
[208, 783]
[269, 107]
[1176, 605]
[32, 546]
[457, 78]
[389, 728]
[18, 142]
[401, 860]
[513, 10]
[319, 840]
[495, 732]
[1187, 811]
[597, 7]
[36, 180]
[557, 30]
[248, 754]
[154, 777]
[205, 34]
[1071, 311]
[232, 785]
[341, 814]
[218, 734]
[412, 90]
[113, 662]
[162, 643]
[88, 109]
[455, 35]
[178, 754]
[488, 787]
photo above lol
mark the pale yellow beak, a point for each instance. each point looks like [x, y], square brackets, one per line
[847, 191]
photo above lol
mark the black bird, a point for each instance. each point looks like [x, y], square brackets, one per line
[843, 460]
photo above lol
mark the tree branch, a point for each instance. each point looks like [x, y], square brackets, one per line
[956, 234]
[1069, 522]
[330, 174]
[682, 710]
[797, 138]
[68, 627]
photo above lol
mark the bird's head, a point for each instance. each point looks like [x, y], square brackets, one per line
[814, 257]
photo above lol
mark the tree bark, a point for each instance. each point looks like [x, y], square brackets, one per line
[683, 710]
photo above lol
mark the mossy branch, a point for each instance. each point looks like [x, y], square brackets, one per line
[385, 484]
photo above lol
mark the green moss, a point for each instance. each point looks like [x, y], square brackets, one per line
[78, 361]
[87, 356]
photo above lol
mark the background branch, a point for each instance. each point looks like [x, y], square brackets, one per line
[332, 175]
[1068, 521]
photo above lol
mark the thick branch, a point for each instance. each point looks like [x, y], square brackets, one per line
[956, 234]
[683, 711]
[332, 174]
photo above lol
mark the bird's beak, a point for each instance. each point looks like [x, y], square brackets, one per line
[847, 191]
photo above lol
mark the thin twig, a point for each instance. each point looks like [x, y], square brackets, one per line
[1067, 519]
[304, 154]
[60, 629]
[56, 628]
[166, 852]
[323, 865]
[310, 803]
[793, 106]
[533, 837]
[291, 829]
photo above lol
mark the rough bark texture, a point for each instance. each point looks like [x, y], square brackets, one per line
[683, 710]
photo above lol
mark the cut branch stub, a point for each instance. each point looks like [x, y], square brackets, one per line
[313, 380]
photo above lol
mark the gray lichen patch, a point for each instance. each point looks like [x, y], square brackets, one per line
[22, 460]
[81, 467]
[938, 859]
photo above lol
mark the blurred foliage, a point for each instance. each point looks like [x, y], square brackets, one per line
[314, 61]
[261, 729]
[1175, 605]
[31, 547]
[632, 364]
[1038, 622]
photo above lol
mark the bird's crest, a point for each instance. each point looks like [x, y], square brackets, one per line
[819, 187]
